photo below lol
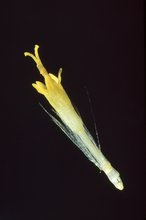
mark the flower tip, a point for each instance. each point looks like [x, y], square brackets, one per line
[34, 85]
[25, 54]
[36, 46]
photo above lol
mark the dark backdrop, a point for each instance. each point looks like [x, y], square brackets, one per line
[100, 46]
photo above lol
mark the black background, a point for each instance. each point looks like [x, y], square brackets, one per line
[100, 46]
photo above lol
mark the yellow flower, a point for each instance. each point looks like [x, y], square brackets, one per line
[71, 123]
[55, 94]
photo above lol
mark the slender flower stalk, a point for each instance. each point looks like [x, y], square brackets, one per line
[70, 121]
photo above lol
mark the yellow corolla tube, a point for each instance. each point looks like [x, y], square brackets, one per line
[70, 121]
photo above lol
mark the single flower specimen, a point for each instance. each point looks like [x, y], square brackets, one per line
[69, 121]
